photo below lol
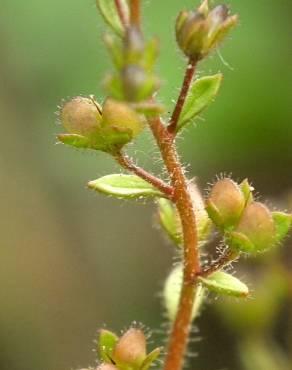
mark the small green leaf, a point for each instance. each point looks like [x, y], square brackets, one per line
[223, 283]
[108, 139]
[171, 293]
[151, 53]
[151, 357]
[201, 93]
[240, 242]
[124, 186]
[283, 223]
[150, 109]
[213, 213]
[106, 344]
[169, 220]
[78, 141]
[115, 50]
[247, 190]
[113, 138]
[109, 12]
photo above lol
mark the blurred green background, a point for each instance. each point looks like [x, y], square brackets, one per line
[71, 261]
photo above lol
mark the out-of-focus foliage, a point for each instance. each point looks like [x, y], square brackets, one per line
[57, 282]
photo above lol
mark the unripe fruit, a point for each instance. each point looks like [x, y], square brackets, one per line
[226, 203]
[131, 348]
[257, 227]
[121, 115]
[81, 116]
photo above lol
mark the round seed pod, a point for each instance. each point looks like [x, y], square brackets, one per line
[121, 115]
[131, 348]
[81, 116]
[257, 226]
[226, 203]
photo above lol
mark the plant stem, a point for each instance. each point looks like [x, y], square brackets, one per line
[135, 16]
[189, 74]
[181, 327]
[129, 165]
[224, 260]
[121, 13]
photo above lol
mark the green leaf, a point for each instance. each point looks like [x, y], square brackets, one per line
[115, 50]
[240, 242]
[169, 220]
[247, 190]
[213, 213]
[150, 109]
[124, 186]
[283, 223]
[109, 12]
[106, 344]
[223, 283]
[201, 93]
[78, 141]
[151, 53]
[171, 293]
[151, 357]
[113, 138]
[113, 85]
[108, 139]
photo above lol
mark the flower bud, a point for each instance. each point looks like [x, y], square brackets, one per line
[255, 231]
[225, 204]
[190, 33]
[81, 116]
[219, 25]
[130, 350]
[216, 17]
[200, 31]
[122, 116]
[204, 7]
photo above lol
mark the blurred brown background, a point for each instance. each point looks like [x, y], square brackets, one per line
[71, 261]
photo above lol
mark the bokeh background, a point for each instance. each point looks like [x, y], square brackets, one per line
[71, 261]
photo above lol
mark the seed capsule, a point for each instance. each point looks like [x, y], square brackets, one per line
[131, 348]
[81, 116]
[121, 115]
[256, 229]
[226, 203]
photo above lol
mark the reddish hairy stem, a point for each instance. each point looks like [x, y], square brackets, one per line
[129, 165]
[181, 327]
[135, 13]
[189, 74]
[224, 260]
[121, 13]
